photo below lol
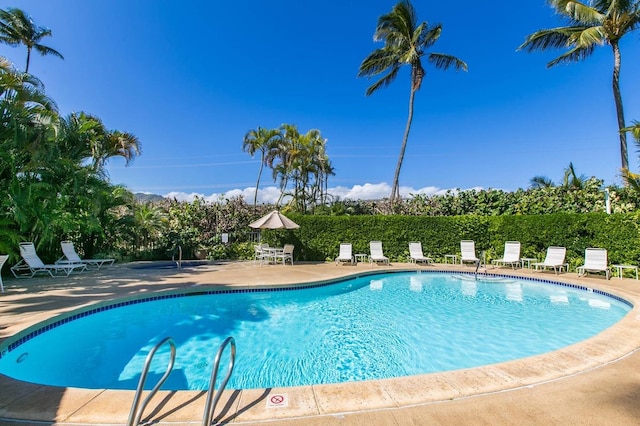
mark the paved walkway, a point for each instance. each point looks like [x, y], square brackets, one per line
[596, 382]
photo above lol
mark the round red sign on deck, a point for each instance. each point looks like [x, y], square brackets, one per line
[277, 400]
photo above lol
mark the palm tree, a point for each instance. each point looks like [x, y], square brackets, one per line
[406, 43]
[591, 23]
[17, 28]
[150, 220]
[281, 155]
[84, 137]
[261, 140]
[633, 179]
[570, 180]
[541, 182]
[300, 159]
[118, 144]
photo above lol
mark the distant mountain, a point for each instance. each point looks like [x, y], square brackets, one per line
[145, 198]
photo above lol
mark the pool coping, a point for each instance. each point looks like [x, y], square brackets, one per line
[28, 402]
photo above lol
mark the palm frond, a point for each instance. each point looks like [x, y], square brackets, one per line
[611, 6]
[579, 12]
[552, 38]
[45, 50]
[574, 55]
[384, 81]
[443, 61]
[632, 179]
[540, 182]
[635, 131]
[589, 37]
[397, 24]
[426, 39]
[378, 62]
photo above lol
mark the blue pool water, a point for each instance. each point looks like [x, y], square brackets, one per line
[372, 327]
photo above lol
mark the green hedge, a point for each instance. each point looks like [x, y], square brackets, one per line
[319, 237]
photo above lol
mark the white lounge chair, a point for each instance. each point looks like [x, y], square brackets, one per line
[376, 254]
[415, 253]
[3, 259]
[285, 254]
[71, 256]
[554, 259]
[32, 264]
[468, 252]
[595, 260]
[511, 255]
[345, 254]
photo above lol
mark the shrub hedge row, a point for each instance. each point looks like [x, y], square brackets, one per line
[319, 237]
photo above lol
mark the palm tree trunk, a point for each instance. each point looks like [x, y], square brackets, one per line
[26, 70]
[395, 190]
[617, 96]
[255, 196]
[283, 187]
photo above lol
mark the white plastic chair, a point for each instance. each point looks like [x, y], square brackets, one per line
[468, 251]
[345, 254]
[286, 254]
[3, 259]
[415, 253]
[72, 257]
[32, 264]
[511, 255]
[376, 255]
[260, 255]
[595, 260]
[554, 259]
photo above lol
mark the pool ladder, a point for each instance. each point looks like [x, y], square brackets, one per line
[482, 260]
[212, 400]
[135, 415]
[136, 409]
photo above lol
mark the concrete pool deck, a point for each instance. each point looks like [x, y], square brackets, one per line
[593, 382]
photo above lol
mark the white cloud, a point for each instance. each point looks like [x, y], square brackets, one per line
[270, 194]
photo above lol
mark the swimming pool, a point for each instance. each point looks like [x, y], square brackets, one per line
[371, 327]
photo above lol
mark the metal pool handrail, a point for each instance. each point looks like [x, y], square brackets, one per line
[136, 409]
[173, 256]
[211, 406]
[479, 262]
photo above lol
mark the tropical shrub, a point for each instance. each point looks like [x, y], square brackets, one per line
[319, 237]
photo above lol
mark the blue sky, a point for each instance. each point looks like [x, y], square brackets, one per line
[190, 78]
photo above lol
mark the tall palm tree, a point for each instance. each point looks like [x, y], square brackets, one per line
[16, 28]
[261, 140]
[280, 157]
[406, 42]
[590, 24]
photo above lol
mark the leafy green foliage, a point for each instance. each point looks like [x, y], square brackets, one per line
[319, 237]
[53, 184]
